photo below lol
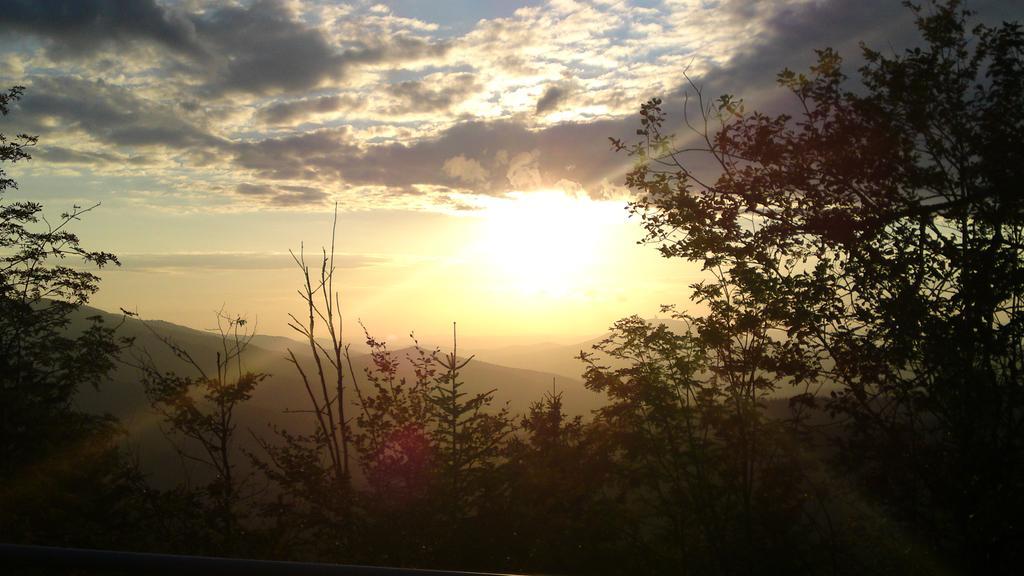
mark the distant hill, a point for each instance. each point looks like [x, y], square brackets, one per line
[520, 375]
[124, 398]
[557, 359]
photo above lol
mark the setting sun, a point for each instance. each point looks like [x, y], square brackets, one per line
[547, 243]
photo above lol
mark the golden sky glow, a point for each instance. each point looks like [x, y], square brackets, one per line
[533, 265]
[465, 144]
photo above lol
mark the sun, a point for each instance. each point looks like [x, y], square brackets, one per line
[546, 243]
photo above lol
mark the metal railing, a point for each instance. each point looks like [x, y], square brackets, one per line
[49, 557]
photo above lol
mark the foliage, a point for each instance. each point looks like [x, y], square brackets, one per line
[558, 475]
[392, 424]
[713, 479]
[201, 409]
[877, 233]
[314, 468]
[430, 454]
[467, 438]
[425, 450]
[48, 450]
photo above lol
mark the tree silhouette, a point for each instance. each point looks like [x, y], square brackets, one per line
[61, 474]
[397, 457]
[468, 440]
[712, 479]
[392, 428]
[314, 468]
[557, 514]
[878, 230]
[430, 452]
[201, 409]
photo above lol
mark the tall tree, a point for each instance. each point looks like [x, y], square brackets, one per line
[397, 457]
[314, 468]
[60, 471]
[467, 436]
[201, 413]
[432, 450]
[557, 513]
[710, 480]
[879, 229]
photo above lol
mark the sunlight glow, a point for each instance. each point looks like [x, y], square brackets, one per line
[547, 243]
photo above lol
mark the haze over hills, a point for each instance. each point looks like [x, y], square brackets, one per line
[278, 397]
[557, 359]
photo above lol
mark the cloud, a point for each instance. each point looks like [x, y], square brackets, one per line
[553, 96]
[258, 48]
[61, 155]
[297, 110]
[524, 171]
[77, 28]
[465, 169]
[294, 157]
[386, 107]
[283, 195]
[487, 157]
[790, 32]
[111, 114]
[438, 92]
[262, 49]
[247, 189]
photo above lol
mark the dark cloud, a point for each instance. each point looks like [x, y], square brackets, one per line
[553, 96]
[261, 48]
[247, 189]
[424, 96]
[257, 48]
[110, 114]
[298, 110]
[503, 155]
[76, 28]
[61, 155]
[299, 196]
[297, 157]
[283, 195]
[791, 33]
[399, 48]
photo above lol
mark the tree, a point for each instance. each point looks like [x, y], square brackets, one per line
[392, 427]
[61, 475]
[466, 435]
[396, 457]
[468, 439]
[314, 468]
[201, 409]
[878, 230]
[426, 449]
[712, 482]
[557, 514]
[430, 452]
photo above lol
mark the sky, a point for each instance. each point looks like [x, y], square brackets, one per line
[464, 145]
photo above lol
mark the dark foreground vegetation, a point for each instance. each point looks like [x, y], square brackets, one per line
[863, 260]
